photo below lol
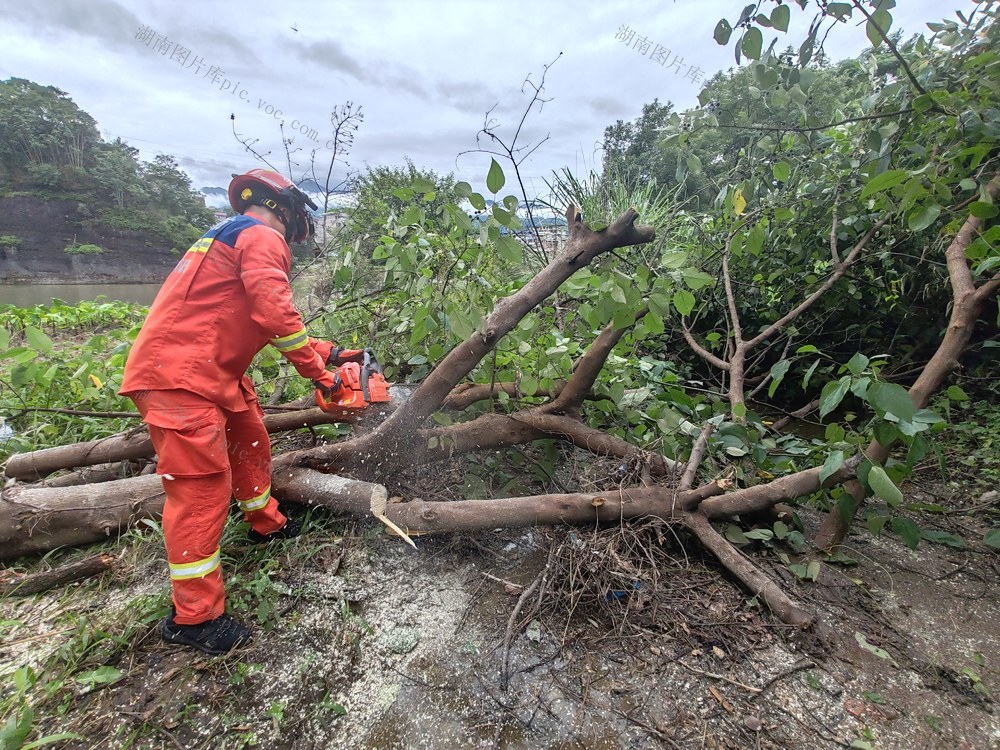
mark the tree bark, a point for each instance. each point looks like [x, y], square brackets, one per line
[135, 444]
[38, 519]
[25, 584]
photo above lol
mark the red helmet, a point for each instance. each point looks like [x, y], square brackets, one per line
[262, 187]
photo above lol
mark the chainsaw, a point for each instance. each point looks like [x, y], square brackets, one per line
[356, 385]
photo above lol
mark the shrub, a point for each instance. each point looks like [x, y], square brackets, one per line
[9, 241]
[44, 175]
[84, 250]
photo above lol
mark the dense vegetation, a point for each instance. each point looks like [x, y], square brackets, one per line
[51, 148]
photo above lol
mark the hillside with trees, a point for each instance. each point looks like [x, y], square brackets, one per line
[63, 188]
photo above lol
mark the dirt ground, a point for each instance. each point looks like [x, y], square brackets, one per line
[628, 639]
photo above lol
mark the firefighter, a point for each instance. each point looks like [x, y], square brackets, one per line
[228, 297]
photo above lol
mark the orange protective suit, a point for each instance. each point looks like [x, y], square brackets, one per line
[228, 297]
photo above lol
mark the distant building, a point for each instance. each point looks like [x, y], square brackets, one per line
[329, 224]
[219, 216]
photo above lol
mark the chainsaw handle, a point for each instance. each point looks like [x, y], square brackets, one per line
[366, 365]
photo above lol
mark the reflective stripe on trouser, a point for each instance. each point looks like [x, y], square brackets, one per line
[205, 456]
[196, 569]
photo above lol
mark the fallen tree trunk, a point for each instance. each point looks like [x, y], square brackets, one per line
[35, 519]
[25, 584]
[596, 508]
[94, 474]
[135, 444]
[38, 519]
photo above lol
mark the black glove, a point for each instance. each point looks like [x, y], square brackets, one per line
[339, 356]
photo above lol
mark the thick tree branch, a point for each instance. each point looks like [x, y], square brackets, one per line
[967, 304]
[697, 453]
[589, 366]
[839, 270]
[736, 563]
[700, 350]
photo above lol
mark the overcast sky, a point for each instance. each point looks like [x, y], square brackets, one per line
[423, 72]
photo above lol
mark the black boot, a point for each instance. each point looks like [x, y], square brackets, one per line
[291, 529]
[215, 637]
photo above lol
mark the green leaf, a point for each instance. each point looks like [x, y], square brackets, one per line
[832, 394]
[876, 524]
[982, 210]
[684, 301]
[879, 24]
[884, 487]
[478, 201]
[922, 217]
[674, 260]
[889, 398]
[908, 531]
[780, 17]
[735, 535]
[809, 373]
[494, 178]
[510, 249]
[37, 340]
[751, 44]
[696, 279]
[100, 676]
[50, 739]
[778, 370]
[17, 728]
[832, 464]
[722, 32]
[957, 394]
[653, 323]
[781, 171]
[992, 538]
[761, 535]
[943, 537]
[857, 364]
[422, 185]
[502, 216]
[4, 338]
[463, 189]
[812, 570]
[881, 653]
[839, 10]
[884, 181]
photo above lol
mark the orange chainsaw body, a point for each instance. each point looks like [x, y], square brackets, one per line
[358, 386]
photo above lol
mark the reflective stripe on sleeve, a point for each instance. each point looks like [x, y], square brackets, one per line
[196, 569]
[255, 503]
[290, 342]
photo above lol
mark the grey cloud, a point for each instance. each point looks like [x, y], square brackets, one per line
[102, 19]
[465, 96]
[331, 55]
[114, 26]
[606, 106]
